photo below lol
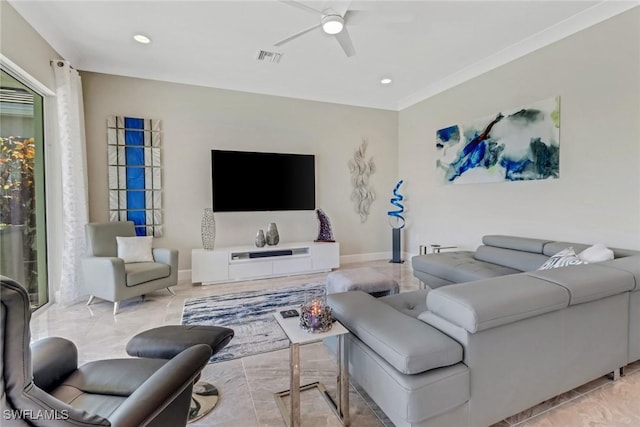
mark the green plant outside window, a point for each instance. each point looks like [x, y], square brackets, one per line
[22, 197]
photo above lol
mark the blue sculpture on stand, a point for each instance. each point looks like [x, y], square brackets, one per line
[400, 222]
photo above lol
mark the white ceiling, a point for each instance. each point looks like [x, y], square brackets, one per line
[425, 46]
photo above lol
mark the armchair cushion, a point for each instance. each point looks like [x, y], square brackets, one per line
[142, 272]
[135, 249]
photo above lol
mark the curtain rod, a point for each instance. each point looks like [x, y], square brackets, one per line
[60, 63]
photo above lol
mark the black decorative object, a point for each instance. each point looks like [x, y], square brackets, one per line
[273, 238]
[324, 227]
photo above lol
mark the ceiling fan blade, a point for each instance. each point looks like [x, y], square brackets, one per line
[340, 7]
[296, 35]
[345, 42]
[358, 17]
[302, 6]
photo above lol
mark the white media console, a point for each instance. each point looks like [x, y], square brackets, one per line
[249, 262]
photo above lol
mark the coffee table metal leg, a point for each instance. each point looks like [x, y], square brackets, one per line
[343, 380]
[294, 360]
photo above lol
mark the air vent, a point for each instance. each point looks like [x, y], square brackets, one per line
[266, 56]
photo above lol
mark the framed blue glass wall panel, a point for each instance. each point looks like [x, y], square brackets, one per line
[135, 188]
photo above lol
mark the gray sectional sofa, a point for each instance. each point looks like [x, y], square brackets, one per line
[501, 337]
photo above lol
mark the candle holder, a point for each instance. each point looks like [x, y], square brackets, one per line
[316, 316]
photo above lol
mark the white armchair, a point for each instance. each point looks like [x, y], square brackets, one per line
[108, 277]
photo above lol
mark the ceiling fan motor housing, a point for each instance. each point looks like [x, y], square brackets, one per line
[332, 24]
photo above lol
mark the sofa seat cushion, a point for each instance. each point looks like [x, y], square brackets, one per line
[588, 282]
[142, 272]
[459, 266]
[493, 302]
[408, 344]
[410, 303]
[414, 398]
[365, 279]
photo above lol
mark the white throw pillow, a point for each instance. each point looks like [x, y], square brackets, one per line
[562, 259]
[596, 253]
[135, 249]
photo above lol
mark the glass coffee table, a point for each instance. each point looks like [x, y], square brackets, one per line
[298, 337]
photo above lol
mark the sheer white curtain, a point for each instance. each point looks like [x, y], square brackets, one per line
[75, 214]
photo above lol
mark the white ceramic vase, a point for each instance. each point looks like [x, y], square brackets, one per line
[272, 234]
[208, 229]
[260, 239]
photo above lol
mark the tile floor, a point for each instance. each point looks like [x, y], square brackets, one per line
[247, 385]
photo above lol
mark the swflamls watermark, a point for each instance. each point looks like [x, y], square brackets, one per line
[30, 414]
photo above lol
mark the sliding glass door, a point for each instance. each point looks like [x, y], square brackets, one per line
[22, 198]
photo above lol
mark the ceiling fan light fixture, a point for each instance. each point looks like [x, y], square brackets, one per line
[332, 24]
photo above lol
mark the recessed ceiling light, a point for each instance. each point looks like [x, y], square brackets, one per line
[385, 80]
[142, 39]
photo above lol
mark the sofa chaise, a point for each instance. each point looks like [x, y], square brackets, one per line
[504, 339]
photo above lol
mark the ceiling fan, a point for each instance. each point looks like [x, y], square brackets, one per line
[333, 21]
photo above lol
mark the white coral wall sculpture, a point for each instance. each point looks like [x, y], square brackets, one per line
[361, 169]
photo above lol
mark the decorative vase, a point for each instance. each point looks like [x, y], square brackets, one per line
[208, 229]
[260, 240]
[272, 234]
[324, 227]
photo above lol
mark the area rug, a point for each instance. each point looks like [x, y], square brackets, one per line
[250, 315]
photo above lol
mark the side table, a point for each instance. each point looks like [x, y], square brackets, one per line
[438, 248]
[298, 337]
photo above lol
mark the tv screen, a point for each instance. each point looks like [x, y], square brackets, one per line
[244, 181]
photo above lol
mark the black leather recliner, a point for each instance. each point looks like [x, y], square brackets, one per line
[43, 386]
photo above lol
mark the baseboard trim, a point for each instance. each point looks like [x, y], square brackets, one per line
[184, 275]
[373, 256]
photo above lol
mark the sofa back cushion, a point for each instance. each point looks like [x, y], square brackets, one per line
[630, 264]
[555, 247]
[588, 282]
[516, 259]
[552, 248]
[488, 303]
[525, 244]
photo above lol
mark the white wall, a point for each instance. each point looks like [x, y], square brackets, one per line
[197, 119]
[597, 74]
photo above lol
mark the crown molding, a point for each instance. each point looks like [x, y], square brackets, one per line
[585, 19]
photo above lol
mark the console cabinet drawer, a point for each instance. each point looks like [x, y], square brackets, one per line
[291, 265]
[248, 270]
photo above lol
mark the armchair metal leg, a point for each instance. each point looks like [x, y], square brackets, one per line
[171, 290]
[91, 297]
[116, 307]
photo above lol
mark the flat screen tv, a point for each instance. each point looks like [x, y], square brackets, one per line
[244, 181]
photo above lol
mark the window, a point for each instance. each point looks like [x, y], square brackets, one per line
[22, 190]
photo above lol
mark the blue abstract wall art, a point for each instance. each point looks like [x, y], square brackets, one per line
[135, 187]
[517, 145]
